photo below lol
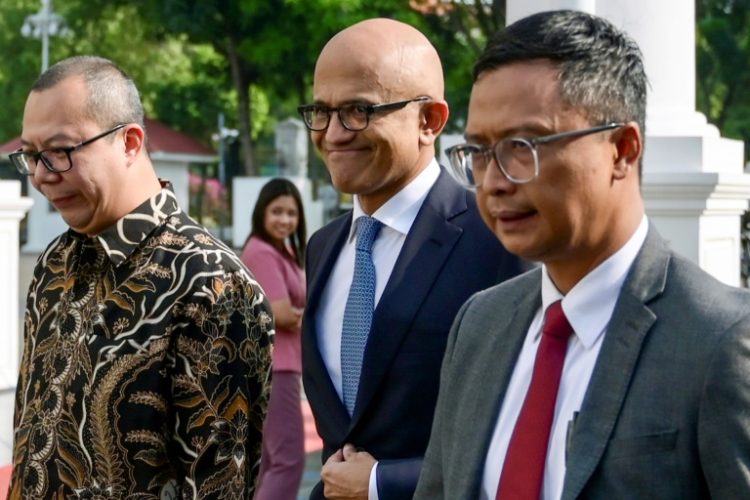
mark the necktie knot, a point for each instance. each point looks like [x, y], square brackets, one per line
[555, 323]
[367, 230]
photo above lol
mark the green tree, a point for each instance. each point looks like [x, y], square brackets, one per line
[225, 26]
[182, 84]
[20, 66]
[459, 30]
[289, 77]
[251, 59]
[723, 73]
[269, 45]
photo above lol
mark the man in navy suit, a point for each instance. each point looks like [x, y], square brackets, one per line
[378, 110]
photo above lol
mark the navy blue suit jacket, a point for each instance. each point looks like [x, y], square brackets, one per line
[448, 255]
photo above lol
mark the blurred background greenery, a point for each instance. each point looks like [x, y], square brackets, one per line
[253, 59]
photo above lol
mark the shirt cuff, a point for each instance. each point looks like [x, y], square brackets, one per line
[373, 493]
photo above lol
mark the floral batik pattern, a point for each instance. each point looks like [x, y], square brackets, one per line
[145, 371]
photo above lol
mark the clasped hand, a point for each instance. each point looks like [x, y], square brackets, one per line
[346, 474]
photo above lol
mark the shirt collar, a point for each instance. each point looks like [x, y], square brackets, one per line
[401, 210]
[121, 238]
[591, 302]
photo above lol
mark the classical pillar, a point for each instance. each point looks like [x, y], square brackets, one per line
[13, 207]
[43, 224]
[516, 9]
[694, 185]
[291, 142]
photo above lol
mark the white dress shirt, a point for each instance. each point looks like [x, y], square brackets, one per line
[588, 307]
[397, 216]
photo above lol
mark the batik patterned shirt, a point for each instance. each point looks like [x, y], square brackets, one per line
[146, 365]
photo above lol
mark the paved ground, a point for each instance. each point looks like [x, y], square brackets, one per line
[313, 446]
[311, 475]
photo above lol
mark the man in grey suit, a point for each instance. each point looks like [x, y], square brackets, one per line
[653, 399]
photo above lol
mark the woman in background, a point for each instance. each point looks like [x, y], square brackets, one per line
[275, 253]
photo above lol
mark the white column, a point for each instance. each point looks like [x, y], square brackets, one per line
[43, 224]
[665, 32]
[694, 186]
[516, 9]
[12, 209]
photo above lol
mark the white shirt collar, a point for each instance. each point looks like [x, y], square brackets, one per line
[401, 210]
[591, 302]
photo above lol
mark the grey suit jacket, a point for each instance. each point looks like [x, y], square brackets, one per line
[666, 413]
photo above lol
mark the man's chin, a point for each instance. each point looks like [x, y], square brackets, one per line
[518, 245]
[345, 185]
[81, 227]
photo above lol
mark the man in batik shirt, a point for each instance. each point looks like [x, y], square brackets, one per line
[146, 342]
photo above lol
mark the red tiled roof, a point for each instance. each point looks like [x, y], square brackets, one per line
[161, 138]
[10, 146]
[167, 140]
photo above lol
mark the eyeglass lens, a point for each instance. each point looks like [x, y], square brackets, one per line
[57, 160]
[515, 156]
[352, 116]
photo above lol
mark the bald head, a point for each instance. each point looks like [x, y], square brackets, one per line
[396, 59]
[384, 78]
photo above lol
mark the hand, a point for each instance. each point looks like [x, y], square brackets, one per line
[346, 474]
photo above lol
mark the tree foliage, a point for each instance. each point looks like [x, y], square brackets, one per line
[253, 60]
[18, 68]
[182, 84]
[723, 72]
[459, 30]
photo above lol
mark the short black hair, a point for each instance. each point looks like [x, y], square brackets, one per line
[601, 67]
[113, 97]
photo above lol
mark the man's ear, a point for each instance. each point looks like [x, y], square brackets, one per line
[134, 140]
[628, 150]
[434, 116]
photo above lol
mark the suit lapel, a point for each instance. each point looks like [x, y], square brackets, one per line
[631, 321]
[427, 246]
[324, 390]
[505, 336]
[329, 253]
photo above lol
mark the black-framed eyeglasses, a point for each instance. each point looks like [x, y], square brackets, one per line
[516, 157]
[354, 117]
[54, 159]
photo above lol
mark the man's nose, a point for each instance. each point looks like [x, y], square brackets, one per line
[42, 174]
[495, 179]
[336, 132]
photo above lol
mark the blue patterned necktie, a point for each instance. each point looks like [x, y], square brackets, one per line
[358, 310]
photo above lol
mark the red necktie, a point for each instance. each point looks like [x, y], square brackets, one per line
[523, 470]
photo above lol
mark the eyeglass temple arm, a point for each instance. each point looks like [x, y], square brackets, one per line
[575, 133]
